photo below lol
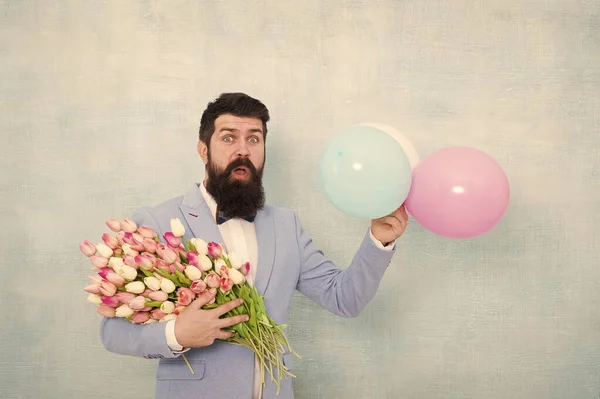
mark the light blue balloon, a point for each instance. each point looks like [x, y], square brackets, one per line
[365, 172]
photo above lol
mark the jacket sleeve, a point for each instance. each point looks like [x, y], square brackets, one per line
[125, 338]
[343, 292]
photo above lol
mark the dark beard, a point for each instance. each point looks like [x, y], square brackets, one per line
[236, 198]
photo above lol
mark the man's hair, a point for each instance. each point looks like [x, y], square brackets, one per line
[238, 104]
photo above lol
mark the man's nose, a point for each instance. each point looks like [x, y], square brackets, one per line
[243, 150]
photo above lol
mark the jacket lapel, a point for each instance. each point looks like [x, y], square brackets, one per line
[199, 217]
[265, 236]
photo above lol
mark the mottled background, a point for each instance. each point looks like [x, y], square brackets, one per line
[100, 103]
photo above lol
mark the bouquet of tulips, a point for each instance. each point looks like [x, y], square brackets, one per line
[144, 280]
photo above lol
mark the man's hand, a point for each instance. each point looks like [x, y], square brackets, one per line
[196, 327]
[388, 228]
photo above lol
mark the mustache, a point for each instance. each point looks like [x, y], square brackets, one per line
[239, 162]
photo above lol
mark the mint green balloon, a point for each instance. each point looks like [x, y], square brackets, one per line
[364, 172]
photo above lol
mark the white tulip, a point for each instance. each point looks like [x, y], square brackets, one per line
[150, 321]
[115, 262]
[128, 272]
[167, 307]
[235, 261]
[153, 283]
[167, 285]
[123, 311]
[200, 245]
[127, 250]
[193, 273]
[204, 262]
[177, 227]
[236, 276]
[104, 250]
[95, 299]
[135, 287]
[218, 263]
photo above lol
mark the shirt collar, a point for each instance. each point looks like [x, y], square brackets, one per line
[210, 201]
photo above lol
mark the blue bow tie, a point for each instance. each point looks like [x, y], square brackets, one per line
[222, 219]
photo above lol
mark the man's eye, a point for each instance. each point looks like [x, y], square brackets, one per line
[253, 140]
[227, 139]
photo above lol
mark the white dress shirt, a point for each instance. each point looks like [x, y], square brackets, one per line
[240, 237]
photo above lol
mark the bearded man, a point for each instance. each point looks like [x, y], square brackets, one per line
[229, 208]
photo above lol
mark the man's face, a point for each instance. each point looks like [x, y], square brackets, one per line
[235, 137]
[235, 162]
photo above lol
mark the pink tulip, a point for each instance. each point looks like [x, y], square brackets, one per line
[128, 225]
[192, 257]
[110, 241]
[106, 311]
[103, 272]
[129, 260]
[98, 261]
[95, 279]
[121, 238]
[128, 238]
[171, 240]
[160, 263]
[212, 280]
[137, 303]
[157, 314]
[224, 271]
[107, 288]
[147, 232]
[87, 248]
[146, 309]
[92, 288]
[245, 268]
[226, 284]
[146, 262]
[125, 297]
[111, 276]
[172, 268]
[118, 252]
[185, 296]
[110, 301]
[140, 317]
[138, 243]
[166, 253]
[114, 225]
[214, 250]
[149, 245]
[160, 296]
[198, 286]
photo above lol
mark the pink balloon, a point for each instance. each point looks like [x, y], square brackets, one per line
[458, 192]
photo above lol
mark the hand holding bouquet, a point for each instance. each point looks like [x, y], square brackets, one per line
[143, 280]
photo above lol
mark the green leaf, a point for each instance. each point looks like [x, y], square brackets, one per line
[183, 259]
[184, 280]
[191, 246]
[146, 272]
[174, 279]
[153, 304]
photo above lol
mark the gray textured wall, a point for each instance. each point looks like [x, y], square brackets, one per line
[99, 107]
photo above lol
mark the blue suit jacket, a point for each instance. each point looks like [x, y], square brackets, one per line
[288, 260]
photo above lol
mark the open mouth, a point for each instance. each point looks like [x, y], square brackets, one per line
[241, 172]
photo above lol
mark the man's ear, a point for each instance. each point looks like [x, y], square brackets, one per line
[203, 151]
